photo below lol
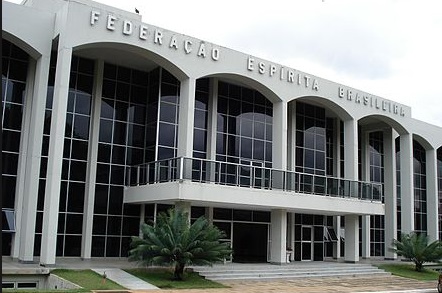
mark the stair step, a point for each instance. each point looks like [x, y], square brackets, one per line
[289, 271]
[286, 273]
[267, 277]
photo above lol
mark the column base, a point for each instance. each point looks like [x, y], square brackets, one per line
[47, 265]
[27, 261]
[351, 261]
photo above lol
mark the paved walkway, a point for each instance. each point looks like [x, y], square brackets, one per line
[384, 284]
[125, 279]
[388, 284]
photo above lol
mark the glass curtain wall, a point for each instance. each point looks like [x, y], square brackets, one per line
[398, 187]
[439, 185]
[244, 130]
[138, 124]
[14, 75]
[420, 188]
[376, 154]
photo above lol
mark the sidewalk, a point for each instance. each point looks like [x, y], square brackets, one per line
[390, 284]
[384, 284]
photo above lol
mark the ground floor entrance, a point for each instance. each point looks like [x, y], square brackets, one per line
[250, 242]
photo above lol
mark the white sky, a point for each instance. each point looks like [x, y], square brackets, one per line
[389, 48]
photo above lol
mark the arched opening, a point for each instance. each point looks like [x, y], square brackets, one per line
[315, 148]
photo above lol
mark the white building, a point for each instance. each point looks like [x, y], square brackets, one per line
[108, 120]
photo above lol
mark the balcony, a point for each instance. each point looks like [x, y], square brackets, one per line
[251, 177]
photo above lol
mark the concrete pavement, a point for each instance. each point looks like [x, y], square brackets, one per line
[350, 284]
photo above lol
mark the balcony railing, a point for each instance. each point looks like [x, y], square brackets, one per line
[223, 173]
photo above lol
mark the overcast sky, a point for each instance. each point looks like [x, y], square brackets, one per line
[389, 48]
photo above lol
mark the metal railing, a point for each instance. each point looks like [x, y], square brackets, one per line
[224, 173]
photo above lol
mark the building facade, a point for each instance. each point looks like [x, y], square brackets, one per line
[108, 121]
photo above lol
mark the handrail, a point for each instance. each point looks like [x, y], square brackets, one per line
[226, 173]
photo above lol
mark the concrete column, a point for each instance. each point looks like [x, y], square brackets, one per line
[390, 195]
[186, 117]
[291, 229]
[351, 238]
[291, 140]
[183, 206]
[279, 150]
[279, 145]
[337, 245]
[278, 236]
[142, 216]
[407, 183]
[212, 119]
[91, 172]
[208, 213]
[21, 170]
[30, 158]
[211, 129]
[52, 196]
[432, 195]
[351, 149]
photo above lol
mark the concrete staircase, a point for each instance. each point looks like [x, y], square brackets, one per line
[235, 271]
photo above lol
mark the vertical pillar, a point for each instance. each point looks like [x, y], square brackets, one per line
[278, 224]
[211, 129]
[432, 195]
[186, 116]
[183, 206]
[279, 144]
[291, 228]
[142, 217]
[30, 158]
[208, 213]
[279, 150]
[212, 119]
[52, 196]
[407, 183]
[291, 143]
[351, 149]
[91, 172]
[390, 195]
[351, 238]
[337, 245]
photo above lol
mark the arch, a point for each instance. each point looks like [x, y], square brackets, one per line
[123, 54]
[422, 141]
[324, 102]
[22, 44]
[247, 81]
[370, 118]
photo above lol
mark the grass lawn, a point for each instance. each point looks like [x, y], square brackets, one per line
[408, 271]
[162, 278]
[87, 279]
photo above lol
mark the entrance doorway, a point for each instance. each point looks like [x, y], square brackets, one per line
[307, 243]
[250, 242]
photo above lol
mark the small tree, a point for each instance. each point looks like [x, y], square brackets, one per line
[173, 241]
[414, 246]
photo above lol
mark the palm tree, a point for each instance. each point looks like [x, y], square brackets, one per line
[414, 246]
[173, 241]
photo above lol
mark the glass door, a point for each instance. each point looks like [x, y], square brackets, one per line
[307, 243]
